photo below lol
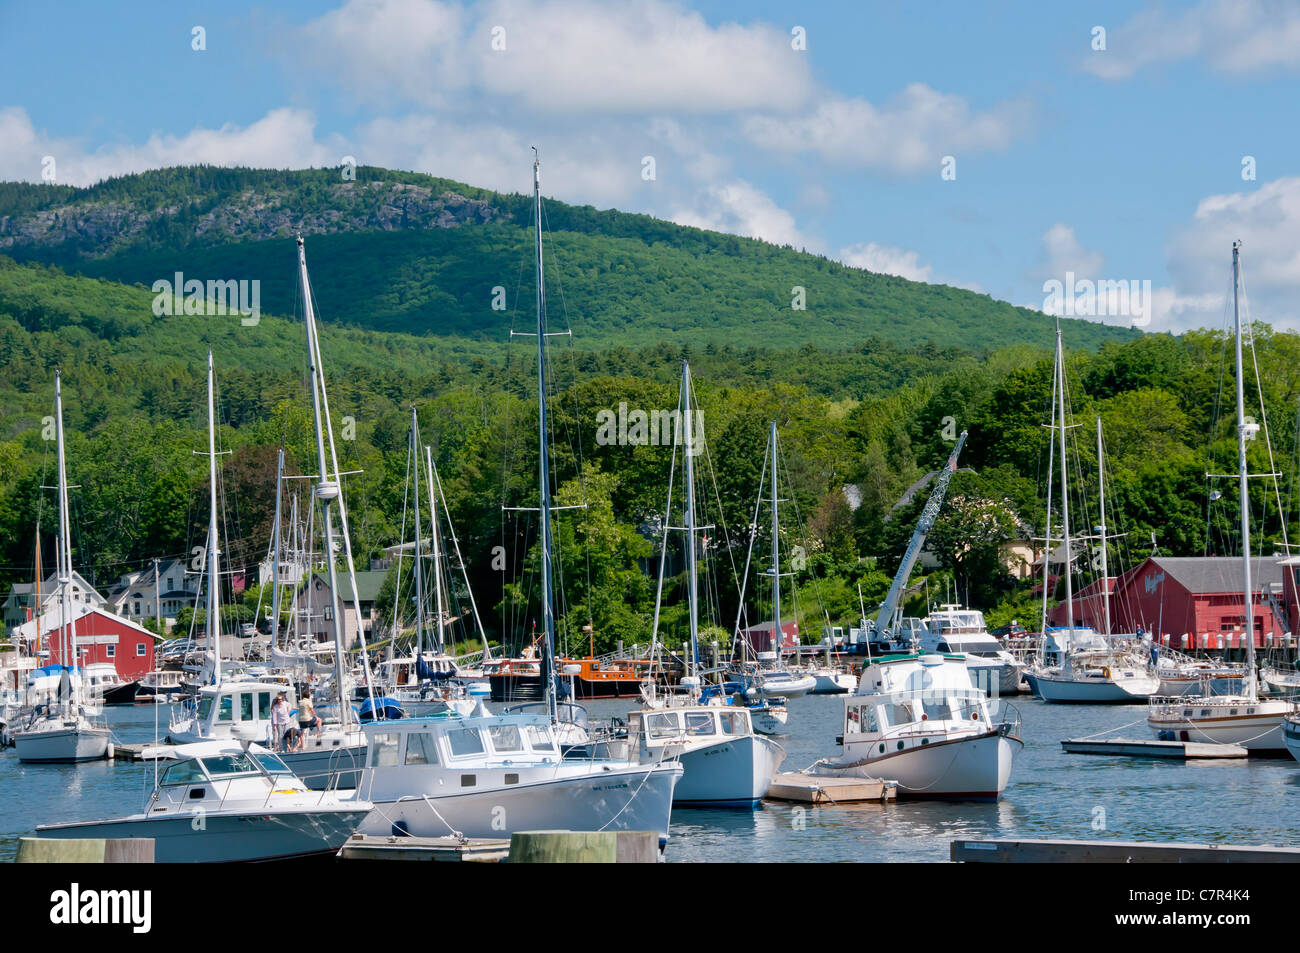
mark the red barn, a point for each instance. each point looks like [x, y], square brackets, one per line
[101, 637]
[1195, 600]
[761, 638]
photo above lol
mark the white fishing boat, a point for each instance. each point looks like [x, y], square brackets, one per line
[829, 680]
[1279, 681]
[919, 720]
[1244, 719]
[226, 801]
[62, 731]
[491, 776]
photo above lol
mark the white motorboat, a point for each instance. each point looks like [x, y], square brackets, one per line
[226, 801]
[771, 679]
[919, 720]
[952, 629]
[233, 709]
[1280, 681]
[490, 776]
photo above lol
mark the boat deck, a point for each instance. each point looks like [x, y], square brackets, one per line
[453, 849]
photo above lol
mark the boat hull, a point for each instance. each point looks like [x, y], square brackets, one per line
[733, 772]
[628, 798]
[1260, 733]
[1094, 691]
[227, 838]
[974, 768]
[328, 767]
[839, 683]
[62, 745]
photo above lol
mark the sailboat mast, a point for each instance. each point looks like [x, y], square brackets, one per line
[68, 644]
[688, 434]
[327, 490]
[1101, 494]
[419, 556]
[543, 476]
[1243, 477]
[439, 598]
[275, 558]
[1065, 497]
[214, 551]
[1047, 532]
[776, 551]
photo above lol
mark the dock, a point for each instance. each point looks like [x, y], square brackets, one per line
[1150, 748]
[445, 849]
[1114, 852]
[811, 789]
[142, 752]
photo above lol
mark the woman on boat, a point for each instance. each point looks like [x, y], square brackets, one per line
[307, 718]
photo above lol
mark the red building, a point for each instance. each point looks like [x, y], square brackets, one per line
[101, 637]
[1195, 600]
[760, 638]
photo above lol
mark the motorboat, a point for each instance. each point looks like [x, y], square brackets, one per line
[952, 629]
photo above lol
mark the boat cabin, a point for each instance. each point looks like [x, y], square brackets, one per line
[243, 706]
[212, 780]
[658, 729]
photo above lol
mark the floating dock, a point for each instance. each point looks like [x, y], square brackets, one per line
[811, 789]
[1150, 748]
[1113, 852]
[383, 847]
[143, 752]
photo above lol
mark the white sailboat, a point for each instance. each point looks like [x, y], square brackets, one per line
[1244, 719]
[490, 775]
[1107, 675]
[62, 731]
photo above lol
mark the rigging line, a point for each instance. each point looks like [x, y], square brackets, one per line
[743, 584]
[1263, 409]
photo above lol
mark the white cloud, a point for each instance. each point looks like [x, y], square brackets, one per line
[742, 209]
[283, 138]
[1234, 36]
[912, 133]
[886, 261]
[1066, 254]
[560, 56]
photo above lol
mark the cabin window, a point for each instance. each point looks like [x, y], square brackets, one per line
[264, 706]
[898, 714]
[385, 747]
[506, 738]
[699, 723]
[663, 724]
[421, 748]
[939, 708]
[228, 765]
[539, 739]
[226, 711]
[205, 707]
[734, 722]
[187, 772]
[245, 706]
[465, 742]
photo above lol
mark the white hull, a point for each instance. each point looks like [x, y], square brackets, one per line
[624, 798]
[245, 836]
[333, 767]
[1094, 691]
[735, 772]
[977, 767]
[1260, 732]
[769, 721]
[834, 683]
[786, 687]
[66, 745]
[994, 678]
[1291, 738]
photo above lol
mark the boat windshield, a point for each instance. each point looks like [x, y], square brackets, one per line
[230, 765]
[271, 763]
[184, 772]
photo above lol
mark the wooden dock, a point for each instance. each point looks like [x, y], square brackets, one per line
[142, 752]
[1114, 852]
[811, 789]
[1150, 748]
[453, 849]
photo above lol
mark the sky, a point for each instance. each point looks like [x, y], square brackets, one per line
[997, 146]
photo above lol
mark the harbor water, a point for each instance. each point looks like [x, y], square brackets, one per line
[1051, 795]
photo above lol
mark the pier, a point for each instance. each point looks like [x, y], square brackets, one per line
[1114, 852]
[811, 789]
[1150, 748]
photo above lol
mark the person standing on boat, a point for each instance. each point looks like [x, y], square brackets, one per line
[279, 721]
[307, 718]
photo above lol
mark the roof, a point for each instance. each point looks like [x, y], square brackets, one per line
[52, 620]
[1211, 574]
[368, 584]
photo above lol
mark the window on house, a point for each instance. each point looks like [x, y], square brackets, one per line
[110, 651]
[140, 650]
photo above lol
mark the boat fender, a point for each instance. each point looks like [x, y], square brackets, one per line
[110, 751]
[1105, 673]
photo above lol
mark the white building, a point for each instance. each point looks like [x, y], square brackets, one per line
[135, 597]
[20, 606]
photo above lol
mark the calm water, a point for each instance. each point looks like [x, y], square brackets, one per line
[1051, 795]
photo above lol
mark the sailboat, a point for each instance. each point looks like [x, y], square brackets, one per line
[1259, 725]
[490, 775]
[1090, 671]
[726, 763]
[61, 731]
[917, 717]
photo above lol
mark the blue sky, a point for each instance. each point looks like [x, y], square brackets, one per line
[1115, 164]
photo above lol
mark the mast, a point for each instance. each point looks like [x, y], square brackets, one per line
[214, 551]
[1101, 494]
[1047, 532]
[419, 559]
[543, 477]
[1065, 499]
[275, 555]
[776, 553]
[1243, 477]
[692, 567]
[437, 552]
[68, 638]
[326, 491]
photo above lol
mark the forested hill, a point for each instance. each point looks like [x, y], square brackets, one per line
[398, 251]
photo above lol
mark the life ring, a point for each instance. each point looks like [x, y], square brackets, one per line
[1105, 673]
